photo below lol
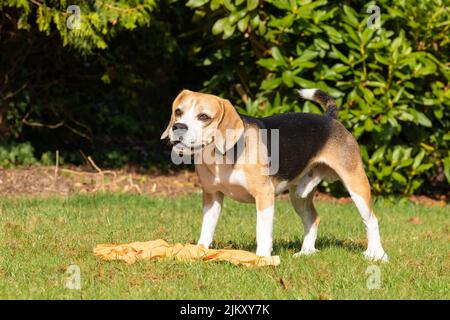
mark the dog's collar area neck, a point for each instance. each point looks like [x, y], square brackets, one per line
[235, 148]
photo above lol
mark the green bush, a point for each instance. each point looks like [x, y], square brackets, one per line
[391, 82]
[23, 154]
[14, 155]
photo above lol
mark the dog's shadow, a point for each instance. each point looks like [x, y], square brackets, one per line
[322, 243]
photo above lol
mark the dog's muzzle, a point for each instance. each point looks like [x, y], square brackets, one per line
[184, 149]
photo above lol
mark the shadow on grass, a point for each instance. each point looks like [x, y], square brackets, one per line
[296, 244]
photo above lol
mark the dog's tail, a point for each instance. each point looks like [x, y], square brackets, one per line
[321, 98]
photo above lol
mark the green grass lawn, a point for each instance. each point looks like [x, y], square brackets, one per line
[40, 238]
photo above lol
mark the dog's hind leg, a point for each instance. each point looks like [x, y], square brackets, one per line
[357, 184]
[305, 209]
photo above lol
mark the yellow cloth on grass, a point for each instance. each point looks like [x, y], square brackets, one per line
[188, 252]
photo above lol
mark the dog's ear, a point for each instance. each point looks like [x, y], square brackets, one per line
[175, 104]
[230, 127]
[165, 134]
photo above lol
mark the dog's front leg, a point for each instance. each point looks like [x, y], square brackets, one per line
[264, 223]
[212, 204]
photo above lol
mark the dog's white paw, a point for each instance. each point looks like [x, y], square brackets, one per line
[305, 252]
[205, 244]
[376, 255]
[263, 252]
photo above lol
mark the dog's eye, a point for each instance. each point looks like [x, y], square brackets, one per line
[178, 112]
[203, 117]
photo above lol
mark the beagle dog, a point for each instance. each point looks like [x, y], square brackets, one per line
[310, 148]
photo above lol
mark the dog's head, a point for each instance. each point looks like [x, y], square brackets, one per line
[199, 120]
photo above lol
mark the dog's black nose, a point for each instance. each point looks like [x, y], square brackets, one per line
[179, 126]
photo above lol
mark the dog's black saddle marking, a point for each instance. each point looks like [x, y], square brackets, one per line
[301, 137]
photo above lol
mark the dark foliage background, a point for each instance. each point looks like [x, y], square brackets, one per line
[106, 88]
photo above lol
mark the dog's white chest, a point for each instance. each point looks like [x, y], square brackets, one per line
[231, 178]
[232, 183]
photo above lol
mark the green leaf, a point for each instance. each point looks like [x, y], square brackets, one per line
[334, 35]
[339, 55]
[219, 26]
[351, 16]
[304, 83]
[424, 167]
[418, 159]
[271, 84]
[288, 79]
[364, 153]
[276, 54]
[405, 163]
[399, 178]
[277, 101]
[446, 162]
[378, 155]
[368, 124]
[396, 155]
[229, 5]
[243, 23]
[366, 35]
[282, 4]
[321, 44]
[423, 120]
[252, 4]
[284, 22]
[237, 15]
[196, 3]
[269, 63]
[215, 4]
[339, 68]
[255, 21]
[262, 28]
[228, 30]
[307, 55]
